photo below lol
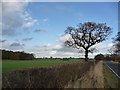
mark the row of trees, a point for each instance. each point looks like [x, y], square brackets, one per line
[107, 57]
[10, 55]
[116, 46]
[114, 51]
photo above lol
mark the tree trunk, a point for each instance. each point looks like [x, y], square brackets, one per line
[86, 54]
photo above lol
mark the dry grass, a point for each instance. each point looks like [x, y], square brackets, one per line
[55, 77]
[77, 75]
[91, 79]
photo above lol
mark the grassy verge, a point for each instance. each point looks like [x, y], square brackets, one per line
[11, 65]
[110, 80]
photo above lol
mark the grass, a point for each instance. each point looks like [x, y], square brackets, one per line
[11, 65]
[110, 80]
[55, 77]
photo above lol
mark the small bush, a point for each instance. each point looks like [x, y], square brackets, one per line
[99, 57]
[54, 77]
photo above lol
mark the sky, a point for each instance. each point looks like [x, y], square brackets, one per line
[38, 27]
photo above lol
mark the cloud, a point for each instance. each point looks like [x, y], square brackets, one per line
[29, 24]
[16, 44]
[54, 50]
[64, 37]
[28, 21]
[10, 11]
[101, 46]
[27, 39]
[2, 41]
[14, 17]
[45, 20]
[40, 30]
[12, 45]
[16, 0]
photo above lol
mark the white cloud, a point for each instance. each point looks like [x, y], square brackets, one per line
[59, 50]
[15, 15]
[11, 11]
[63, 38]
[103, 46]
[29, 24]
[45, 20]
[16, 0]
[12, 45]
[54, 50]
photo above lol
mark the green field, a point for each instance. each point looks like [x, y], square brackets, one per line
[12, 65]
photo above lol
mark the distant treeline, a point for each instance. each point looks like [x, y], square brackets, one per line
[55, 58]
[11, 55]
[108, 57]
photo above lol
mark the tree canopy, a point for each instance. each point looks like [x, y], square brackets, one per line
[117, 44]
[10, 55]
[86, 35]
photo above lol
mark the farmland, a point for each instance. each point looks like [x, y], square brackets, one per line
[51, 73]
[12, 65]
[51, 77]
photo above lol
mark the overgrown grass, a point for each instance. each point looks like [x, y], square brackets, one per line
[12, 65]
[110, 80]
[54, 77]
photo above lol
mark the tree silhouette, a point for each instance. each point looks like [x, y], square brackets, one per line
[11, 55]
[117, 44]
[86, 35]
[99, 57]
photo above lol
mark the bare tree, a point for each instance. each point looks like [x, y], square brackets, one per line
[116, 46]
[86, 35]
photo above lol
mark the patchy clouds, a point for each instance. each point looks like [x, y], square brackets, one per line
[59, 50]
[15, 16]
[12, 45]
[55, 50]
[2, 41]
[16, 44]
[23, 22]
[45, 19]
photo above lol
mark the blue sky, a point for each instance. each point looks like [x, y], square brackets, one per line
[38, 27]
[61, 15]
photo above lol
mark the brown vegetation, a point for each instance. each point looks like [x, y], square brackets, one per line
[92, 79]
[54, 77]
